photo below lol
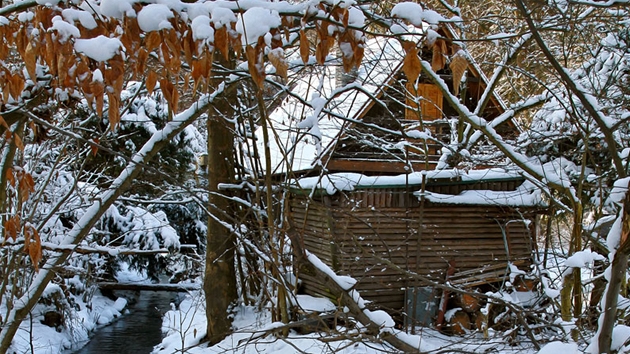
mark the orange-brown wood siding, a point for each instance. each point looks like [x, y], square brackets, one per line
[368, 228]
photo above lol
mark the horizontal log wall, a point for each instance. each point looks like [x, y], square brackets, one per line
[359, 232]
[312, 222]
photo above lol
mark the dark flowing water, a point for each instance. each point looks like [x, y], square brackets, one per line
[135, 333]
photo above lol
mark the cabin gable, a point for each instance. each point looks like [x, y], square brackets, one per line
[388, 137]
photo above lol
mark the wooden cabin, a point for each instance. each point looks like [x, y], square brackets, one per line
[364, 192]
[377, 229]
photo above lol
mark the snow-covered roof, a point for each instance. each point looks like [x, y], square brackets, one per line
[309, 120]
[525, 195]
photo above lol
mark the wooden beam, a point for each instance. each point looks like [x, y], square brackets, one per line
[351, 165]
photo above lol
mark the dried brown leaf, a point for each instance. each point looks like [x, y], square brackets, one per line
[438, 61]
[94, 146]
[34, 247]
[189, 45]
[141, 64]
[458, 67]
[321, 51]
[304, 47]
[252, 64]
[30, 60]
[152, 78]
[3, 122]
[113, 110]
[276, 58]
[26, 186]
[17, 85]
[411, 64]
[11, 227]
[221, 41]
[168, 91]
[100, 102]
[358, 55]
[50, 57]
[10, 176]
[345, 18]
[152, 41]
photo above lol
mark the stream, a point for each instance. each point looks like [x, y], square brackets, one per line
[136, 332]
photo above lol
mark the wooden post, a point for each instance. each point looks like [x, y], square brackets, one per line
[444, 301]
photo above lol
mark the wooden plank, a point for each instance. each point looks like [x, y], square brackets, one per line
[362, 236]
[393, 166]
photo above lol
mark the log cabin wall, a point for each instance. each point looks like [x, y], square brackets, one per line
[311, 219]
[358, 233]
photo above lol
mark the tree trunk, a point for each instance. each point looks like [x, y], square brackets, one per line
[617, 277]
[220, 275]
[618, 270]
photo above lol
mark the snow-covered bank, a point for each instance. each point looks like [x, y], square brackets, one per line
[80, 320]
[81, 315]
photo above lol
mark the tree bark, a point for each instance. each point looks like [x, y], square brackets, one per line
[220, 274]
[618, 270]
[617, 276]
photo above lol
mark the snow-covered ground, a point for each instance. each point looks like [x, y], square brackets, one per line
[185, 327]
[254, 331]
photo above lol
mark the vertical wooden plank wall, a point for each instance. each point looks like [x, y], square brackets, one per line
[369, 226]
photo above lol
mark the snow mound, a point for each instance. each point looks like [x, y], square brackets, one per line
[559, 347]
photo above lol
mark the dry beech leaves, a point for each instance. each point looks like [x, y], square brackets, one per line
[412, 66]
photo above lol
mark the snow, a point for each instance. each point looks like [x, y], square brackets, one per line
[313, 304]
[432, 36]
[154, 17]
[253, 331]
[345, 282]
[256, 22]
[618, 192]
[380, 318]
[432, 17]
[201, 28]
[356, 17]
[525, 195]
[410, 11]
[222, 17]
[448, 315]
[100, 48]
[143, 229]
[64, 29]
[85, 18]
[559, 347]
[117, 8]
[583, 259]
[621, 334]
[26, 16]
[97, 76]
[304, 148]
